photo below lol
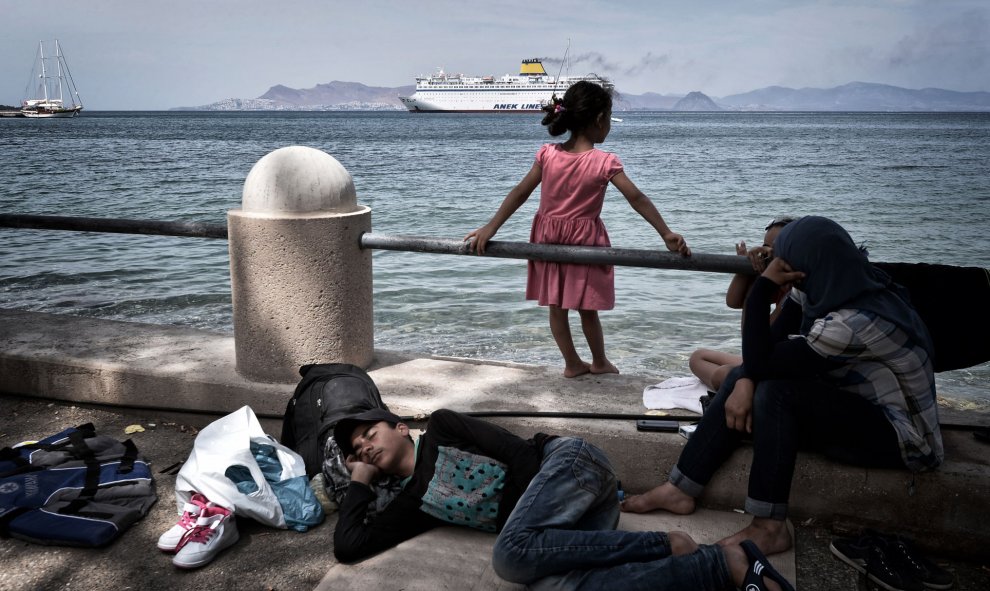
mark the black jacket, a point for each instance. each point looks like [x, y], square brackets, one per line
[402, 519]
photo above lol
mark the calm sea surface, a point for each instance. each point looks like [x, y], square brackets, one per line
[913, 187]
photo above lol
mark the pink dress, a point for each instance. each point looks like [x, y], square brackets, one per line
[571, 198]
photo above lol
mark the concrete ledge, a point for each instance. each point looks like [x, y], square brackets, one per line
[127, 364]
[190, 371]
[423, 563]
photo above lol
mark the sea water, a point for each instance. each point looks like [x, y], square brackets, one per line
[912, 187]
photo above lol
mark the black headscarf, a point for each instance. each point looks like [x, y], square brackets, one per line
[839, 276]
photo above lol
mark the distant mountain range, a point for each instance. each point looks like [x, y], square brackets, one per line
[333, 96]
[855, 96]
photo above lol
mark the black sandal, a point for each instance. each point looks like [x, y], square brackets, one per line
[760, 567]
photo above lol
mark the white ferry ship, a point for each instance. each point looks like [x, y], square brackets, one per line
[525, 93]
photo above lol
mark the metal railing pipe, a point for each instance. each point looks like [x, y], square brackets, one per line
[594, 255]
[114, 225]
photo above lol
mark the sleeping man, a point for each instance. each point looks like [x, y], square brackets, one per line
[552, 500]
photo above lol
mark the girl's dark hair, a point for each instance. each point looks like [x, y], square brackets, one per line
[581, 105]
[779, 222]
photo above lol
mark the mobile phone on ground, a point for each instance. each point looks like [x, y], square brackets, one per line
[665, 426]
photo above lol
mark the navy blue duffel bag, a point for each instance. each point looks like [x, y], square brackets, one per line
[75, 488]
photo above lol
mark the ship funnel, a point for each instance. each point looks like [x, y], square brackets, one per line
[533, 67]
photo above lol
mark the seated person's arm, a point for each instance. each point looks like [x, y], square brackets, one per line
[767, 352]
[735, 296]
[786, 320]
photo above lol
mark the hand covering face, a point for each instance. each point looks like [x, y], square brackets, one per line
[839, 276]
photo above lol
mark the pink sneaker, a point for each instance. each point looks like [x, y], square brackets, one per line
[169, 541]
[214, 530]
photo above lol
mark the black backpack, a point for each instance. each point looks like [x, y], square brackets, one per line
[327, 393]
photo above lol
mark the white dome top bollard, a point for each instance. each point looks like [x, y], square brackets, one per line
[301, 284]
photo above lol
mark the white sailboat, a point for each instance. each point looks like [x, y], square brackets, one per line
[56, 94]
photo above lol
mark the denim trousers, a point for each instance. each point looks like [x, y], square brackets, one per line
[561, 534]
[787, 415]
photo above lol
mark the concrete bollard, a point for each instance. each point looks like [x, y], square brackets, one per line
[300, 282]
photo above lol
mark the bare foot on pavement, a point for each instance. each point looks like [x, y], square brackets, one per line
[666, 496]
[771, 536]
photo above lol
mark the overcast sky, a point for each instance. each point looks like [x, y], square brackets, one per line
[142, 55]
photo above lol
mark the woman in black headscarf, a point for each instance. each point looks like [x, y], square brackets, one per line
[855, 382]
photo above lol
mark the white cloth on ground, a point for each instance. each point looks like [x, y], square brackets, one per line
[684, 392]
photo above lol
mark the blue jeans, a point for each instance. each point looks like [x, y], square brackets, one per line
[787, 415]
[561, 534]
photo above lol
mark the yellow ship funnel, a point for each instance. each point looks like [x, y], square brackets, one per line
[533, 67]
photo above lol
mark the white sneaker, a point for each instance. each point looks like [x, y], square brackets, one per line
[169, 541]
[215, 530]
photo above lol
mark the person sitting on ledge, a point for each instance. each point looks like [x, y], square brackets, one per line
[710, 366]
[855, 383]
[554, 501]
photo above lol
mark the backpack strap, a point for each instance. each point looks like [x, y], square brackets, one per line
[127, 460]
[84, 453]
[82, 432]
[92, 482]
[87, 429]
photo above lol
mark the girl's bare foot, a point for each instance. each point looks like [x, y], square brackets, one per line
[606, 367]
[576, 370]
[666, 496]
[771, 536]
[681, 544]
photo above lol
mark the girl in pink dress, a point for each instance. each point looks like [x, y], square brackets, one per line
[575, 175]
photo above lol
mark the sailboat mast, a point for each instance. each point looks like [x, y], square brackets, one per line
[58, 61]
[44, 74]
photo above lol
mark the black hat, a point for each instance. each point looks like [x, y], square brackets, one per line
[344, 428]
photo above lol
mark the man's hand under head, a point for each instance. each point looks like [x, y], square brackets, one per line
[360, 471]
[379, 449]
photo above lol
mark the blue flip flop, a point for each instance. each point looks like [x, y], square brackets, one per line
[760, 567]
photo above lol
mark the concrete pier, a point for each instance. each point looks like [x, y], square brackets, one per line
[189, 374]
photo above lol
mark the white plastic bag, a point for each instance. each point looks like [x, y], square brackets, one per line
[224, 443]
